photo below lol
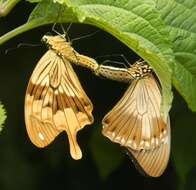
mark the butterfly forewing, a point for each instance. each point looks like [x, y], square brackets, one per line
[135, 121]
[56, 102]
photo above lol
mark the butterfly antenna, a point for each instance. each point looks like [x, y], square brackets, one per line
[117, 62]
[125, 59]
[109, 55]
[68, 28]
[116, 55]
[85, 36]
[65, 32]
[27, 45]
[21, 45]
[55, 31]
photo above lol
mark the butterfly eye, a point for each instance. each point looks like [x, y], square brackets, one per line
[44, 39]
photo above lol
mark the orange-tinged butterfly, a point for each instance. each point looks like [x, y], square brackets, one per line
[55, 101]
[135, 122]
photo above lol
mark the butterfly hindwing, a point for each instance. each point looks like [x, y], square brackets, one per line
[154, 161]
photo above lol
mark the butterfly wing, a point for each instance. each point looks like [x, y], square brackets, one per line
[40, 132]
[153, 162]
[136, 123]
[56, 102]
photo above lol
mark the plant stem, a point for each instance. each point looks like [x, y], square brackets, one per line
[7, 6]
[19, 30]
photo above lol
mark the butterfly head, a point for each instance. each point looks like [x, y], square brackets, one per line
[53, 41]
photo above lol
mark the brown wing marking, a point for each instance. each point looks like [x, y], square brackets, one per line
[80, 102]
[40, 132]
[135, 121]
[56, 102]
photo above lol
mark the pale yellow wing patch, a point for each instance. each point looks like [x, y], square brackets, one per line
[56, 102]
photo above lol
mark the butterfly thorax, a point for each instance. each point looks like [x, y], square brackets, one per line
[140, 69]
[64, 49]
[59, 44]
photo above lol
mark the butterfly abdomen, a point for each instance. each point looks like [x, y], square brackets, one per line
[119, 74]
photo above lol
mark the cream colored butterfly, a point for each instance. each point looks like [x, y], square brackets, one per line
[55, 101]
[135, 122]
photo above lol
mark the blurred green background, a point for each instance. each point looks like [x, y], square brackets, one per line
[104, 164]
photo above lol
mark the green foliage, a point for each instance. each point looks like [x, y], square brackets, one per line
[2, 116]
[180, 17]
[33, 1]
[141, 26]
[6, 6]
[136, 23]
[162, 32]
[183, 145]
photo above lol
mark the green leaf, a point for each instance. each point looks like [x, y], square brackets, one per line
[54, 1]
[46, 12]
[183, 144]
[6, 6]
[136, 23]
[34, 1]
[180, 16]
[58, 1]
[2, 116]
[107, 155]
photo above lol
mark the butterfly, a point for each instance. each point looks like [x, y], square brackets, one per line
[55, 100]
[135, 122]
